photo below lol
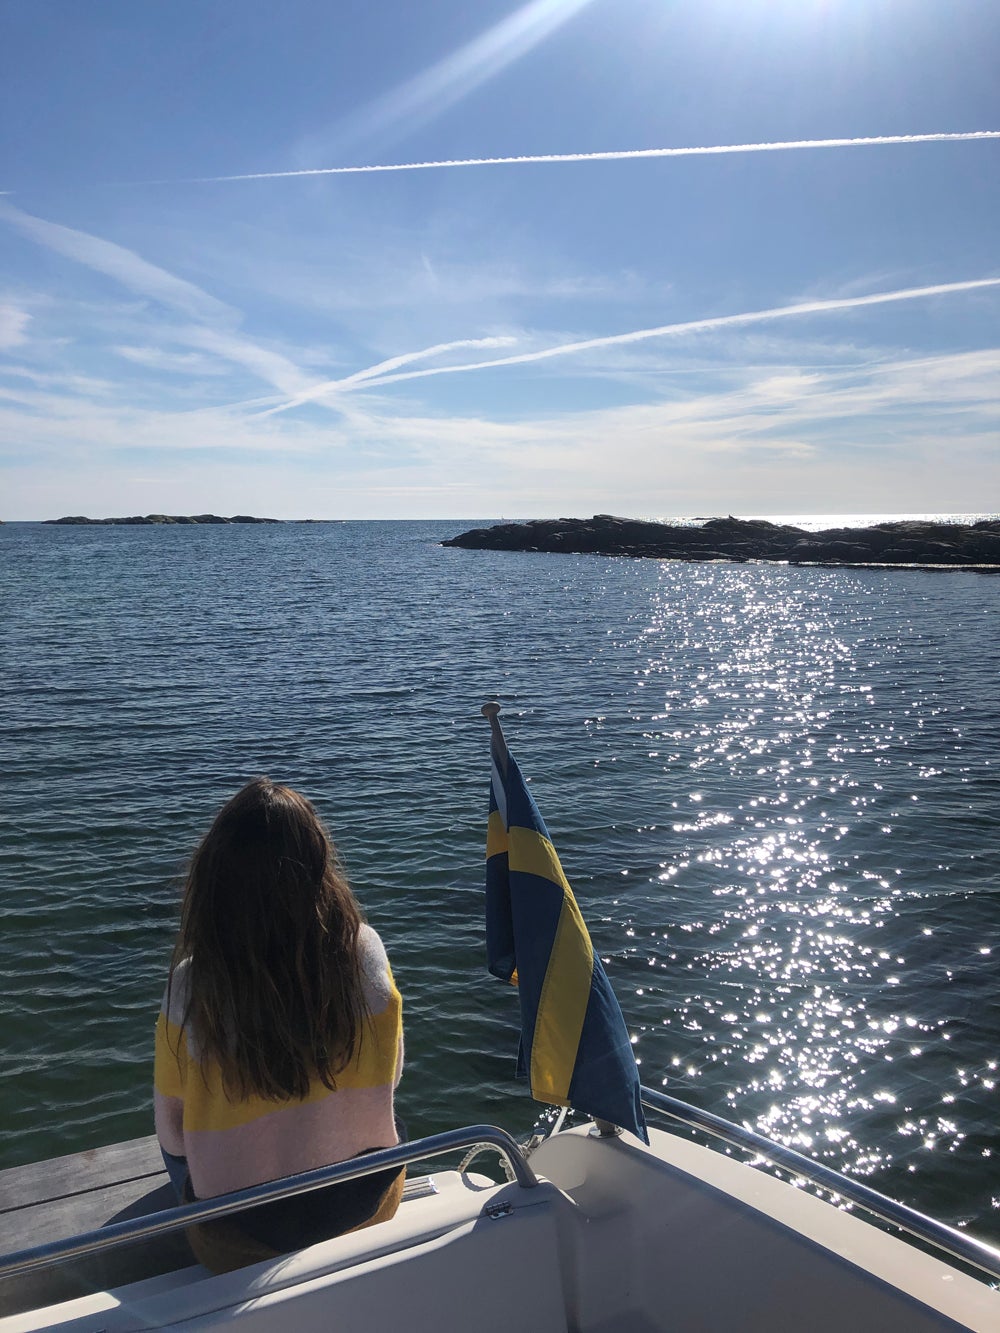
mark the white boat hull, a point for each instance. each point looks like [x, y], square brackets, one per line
[614, 1237]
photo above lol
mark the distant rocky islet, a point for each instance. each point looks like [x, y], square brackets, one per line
[907, 542]
[78, 520]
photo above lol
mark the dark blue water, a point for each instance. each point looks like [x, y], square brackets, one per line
[774, 790]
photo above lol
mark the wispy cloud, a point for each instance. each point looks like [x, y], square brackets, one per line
[172, 363]
[422, 98]
[766, 441]
[429, 267]
[13, 323]
[773, 407]
[778, 436]
[268, 365]
[117, 262]
[216, 327]
[619, 155]
[60, 381]
[372, 376]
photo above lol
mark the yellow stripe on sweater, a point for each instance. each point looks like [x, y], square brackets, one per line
[206, 1104]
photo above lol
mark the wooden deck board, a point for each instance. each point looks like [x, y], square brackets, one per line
[49, 1201]
[21, 1186]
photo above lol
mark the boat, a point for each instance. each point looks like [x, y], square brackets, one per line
[591, 1231]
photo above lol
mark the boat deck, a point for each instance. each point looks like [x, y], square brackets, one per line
[64, 1196]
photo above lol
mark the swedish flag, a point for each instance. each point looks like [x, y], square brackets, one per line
[575, 1049]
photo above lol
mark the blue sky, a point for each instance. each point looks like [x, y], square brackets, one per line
[318, 345]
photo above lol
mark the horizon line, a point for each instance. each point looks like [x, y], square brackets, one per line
[886, 515]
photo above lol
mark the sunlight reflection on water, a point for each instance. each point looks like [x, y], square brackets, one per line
[799, 902]
[774, 791]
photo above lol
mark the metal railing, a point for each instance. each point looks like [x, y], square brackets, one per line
[225, 1205]
[955, 1243]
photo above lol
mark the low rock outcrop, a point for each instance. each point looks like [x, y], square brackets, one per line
[900, 542]
[78, 520]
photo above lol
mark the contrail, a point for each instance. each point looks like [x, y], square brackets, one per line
[361, 377]
[528, 159]
[369, 379]
[628, 154]
[395, 361]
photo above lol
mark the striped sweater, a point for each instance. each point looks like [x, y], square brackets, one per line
[232, 1145]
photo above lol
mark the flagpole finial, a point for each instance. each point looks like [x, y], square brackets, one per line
[490, 711]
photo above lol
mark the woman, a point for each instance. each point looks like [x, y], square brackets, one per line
[280, 1042]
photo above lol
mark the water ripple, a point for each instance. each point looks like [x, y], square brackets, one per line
[775, 791]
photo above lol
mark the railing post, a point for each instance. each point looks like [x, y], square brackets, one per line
[606, 1130]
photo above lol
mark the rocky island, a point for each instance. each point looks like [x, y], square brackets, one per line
[78, 520]
[900, 542]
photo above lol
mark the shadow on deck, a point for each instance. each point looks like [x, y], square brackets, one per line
[48, 1201]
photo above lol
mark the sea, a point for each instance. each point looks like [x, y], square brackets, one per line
[775, 791]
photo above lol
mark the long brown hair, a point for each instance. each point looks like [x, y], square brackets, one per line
[269, 929]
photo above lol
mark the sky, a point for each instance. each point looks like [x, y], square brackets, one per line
[202, 311]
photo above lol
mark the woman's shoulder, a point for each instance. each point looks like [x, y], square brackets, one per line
[175, 996]
[371, 951]
[375, 970]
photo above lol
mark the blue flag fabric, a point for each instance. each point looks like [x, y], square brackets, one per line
[575, 1048]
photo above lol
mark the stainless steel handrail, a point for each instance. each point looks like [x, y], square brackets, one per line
[225, 1205]
[954, 1242]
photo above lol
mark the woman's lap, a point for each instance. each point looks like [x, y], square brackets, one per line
[291, 1224]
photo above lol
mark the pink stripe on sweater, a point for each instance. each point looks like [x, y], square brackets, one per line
[295, 1138]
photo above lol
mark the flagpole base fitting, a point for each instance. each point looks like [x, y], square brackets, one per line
[604, 1129]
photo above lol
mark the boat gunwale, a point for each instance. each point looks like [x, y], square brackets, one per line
[978, 1254]
[970, 1250]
